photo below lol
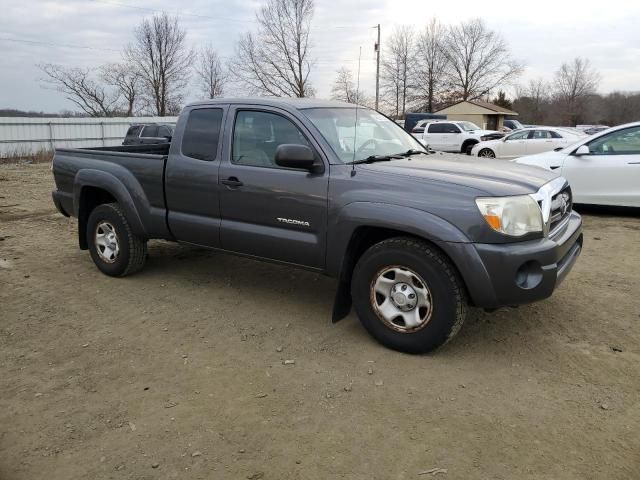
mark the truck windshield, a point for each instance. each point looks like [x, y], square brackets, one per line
[468, 126]
[373, 136]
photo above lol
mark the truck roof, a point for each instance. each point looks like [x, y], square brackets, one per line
[295, 103]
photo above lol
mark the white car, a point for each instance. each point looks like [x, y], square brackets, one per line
[453, 136]
[527, 142]
[603, 169]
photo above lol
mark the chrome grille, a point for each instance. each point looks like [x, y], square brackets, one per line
[555, 201]
[561, 205]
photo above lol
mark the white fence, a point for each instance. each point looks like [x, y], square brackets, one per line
[27, 136]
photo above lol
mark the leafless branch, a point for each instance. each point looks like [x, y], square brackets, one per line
[275, 60]
[127, 81]
[478, 60]
[397, 64]
[211, 72]
[163, 60]
[431, 65]
[82, 90]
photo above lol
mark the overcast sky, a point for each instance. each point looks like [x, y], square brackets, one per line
[541, 34]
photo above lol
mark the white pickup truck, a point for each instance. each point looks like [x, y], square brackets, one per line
[455, 136]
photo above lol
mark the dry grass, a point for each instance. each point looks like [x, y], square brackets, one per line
[42, 156]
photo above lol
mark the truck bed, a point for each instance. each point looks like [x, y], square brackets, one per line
[136, 171]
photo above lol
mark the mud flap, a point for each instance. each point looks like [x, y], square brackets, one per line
[342, 302]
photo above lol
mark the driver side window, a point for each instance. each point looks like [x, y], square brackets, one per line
[622, 142]
[257, 135]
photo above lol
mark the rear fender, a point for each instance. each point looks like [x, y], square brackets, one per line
[125, 189]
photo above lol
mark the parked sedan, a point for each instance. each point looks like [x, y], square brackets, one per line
[603, 169]
[526, 142]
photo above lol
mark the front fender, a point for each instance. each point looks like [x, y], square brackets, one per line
[404, 219]
[125, 189]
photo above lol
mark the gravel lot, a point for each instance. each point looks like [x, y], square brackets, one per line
[179, 371]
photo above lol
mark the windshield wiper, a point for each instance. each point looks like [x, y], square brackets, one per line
[377, 158]
[413, 151]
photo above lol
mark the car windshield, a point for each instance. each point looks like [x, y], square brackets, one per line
[468, 126]
[516, 125]
[373, 136]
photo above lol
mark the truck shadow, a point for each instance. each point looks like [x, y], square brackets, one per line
[304, 293]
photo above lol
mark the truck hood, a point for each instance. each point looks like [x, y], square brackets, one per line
[489, 177]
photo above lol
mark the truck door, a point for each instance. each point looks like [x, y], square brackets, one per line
[269, 211]
[191, 176]
[452, 137]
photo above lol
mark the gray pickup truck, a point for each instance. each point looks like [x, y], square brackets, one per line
[414, 238]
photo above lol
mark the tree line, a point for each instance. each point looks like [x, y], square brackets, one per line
[158, 65]
[421, 70]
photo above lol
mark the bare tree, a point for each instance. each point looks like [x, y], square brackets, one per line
[211, 72]
[573, 83]
[161, 56]
[432, 63]
[127, 82]
[275, 60]
[532, 100]
[80, 88]
[396, 68]
[478, 58]
[344, 88]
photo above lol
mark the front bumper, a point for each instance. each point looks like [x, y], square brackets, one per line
[499, 275]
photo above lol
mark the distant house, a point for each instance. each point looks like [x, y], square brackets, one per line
[484, 114]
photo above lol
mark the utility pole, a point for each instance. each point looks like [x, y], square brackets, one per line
[377, 48]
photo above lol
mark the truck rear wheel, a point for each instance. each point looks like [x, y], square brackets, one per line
[114, 248]
[408, 295]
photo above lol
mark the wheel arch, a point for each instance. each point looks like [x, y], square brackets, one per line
[362, 236]
[467, 143]
[93, 188]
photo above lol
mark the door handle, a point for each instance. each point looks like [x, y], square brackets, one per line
[232, 182]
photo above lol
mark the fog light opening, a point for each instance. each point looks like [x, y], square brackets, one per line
[529, 275]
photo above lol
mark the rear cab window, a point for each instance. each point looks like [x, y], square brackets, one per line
[202, 134]
[134, 130]
[165, 131]
[150, 131]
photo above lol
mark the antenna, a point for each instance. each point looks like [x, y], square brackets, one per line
[355, 126]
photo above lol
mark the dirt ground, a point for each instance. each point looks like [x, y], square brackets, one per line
[178, 371]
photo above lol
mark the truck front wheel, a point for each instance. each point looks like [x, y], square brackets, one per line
[408, 295]
[114, 248]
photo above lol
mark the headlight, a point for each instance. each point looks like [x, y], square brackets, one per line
[514, 216]
[484, 139]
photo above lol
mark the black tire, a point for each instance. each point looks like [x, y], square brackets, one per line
[448, 295]
[132, 249]
[466, 148]
[487, 153]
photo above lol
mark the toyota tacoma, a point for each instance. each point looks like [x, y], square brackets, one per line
[414, 238]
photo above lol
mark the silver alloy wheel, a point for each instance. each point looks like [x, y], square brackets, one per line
[401, 299]
[107, 242]
[486, 153]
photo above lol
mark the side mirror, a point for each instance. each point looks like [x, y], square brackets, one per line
[582, 150]
[297, 156]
